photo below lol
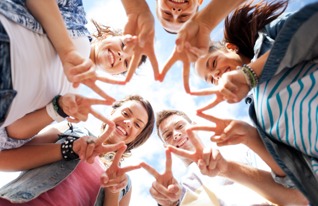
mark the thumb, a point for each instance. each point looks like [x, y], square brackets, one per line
[173, 188]
[104, 179]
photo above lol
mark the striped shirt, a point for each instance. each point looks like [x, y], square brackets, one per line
[287, 108]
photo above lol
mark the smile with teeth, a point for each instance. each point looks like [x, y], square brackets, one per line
[179, 1]
[111, 57]
[121, 130]
[182, 142]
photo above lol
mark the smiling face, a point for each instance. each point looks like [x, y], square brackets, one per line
[213, 65]
[109, 55]
[173, 13]
[130, 120]
[172, 131]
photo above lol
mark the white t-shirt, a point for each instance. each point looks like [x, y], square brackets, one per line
[36, 69]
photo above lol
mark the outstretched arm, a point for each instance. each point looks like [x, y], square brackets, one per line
[262, 182]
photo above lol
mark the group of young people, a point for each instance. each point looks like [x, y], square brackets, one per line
[263, 52]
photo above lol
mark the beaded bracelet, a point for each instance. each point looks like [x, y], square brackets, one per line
[67, 148]
[250, 75]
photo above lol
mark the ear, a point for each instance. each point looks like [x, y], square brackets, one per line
[232, 47]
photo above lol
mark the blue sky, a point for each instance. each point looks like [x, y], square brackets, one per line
[167, 95]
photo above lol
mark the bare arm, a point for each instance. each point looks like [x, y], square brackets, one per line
[262, 182]
[38, 152]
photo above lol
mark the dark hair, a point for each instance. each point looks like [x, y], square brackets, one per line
[103, 32]
[242, 26]
[147, 131]
[164, 114]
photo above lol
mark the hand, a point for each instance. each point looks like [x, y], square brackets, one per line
[87, 148]
[233, 86]
[115, 178]
[141, 24]
[165, 190]
[227, 131]
[78, 107]
[210, 161]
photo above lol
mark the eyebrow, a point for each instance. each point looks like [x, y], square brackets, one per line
[133, 114]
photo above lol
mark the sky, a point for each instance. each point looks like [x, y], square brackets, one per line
[169, 94]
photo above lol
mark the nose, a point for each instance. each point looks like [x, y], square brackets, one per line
[176, 136]
[127, 122]
[216, 74]
[121, 55]
[176, 10]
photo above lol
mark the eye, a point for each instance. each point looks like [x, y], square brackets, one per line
[167, 137]
[126, 63]
[124, 113]
[137, 125]
[214, 63]
[167, 13]
[180, 126]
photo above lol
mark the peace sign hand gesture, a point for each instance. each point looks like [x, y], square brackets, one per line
[166, 189]
[209, 160]
[115, 178]
[141, 24]
[227, 131]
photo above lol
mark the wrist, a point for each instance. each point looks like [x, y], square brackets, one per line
[54, 110]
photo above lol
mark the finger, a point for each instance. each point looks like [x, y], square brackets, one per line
[103, 119]
[118, 156]
[180, 152]
[104, 179]
[92, 101]
[186, 74]
[133, 65]
[168, 161]
[194, 140]
[83, 71]
[202, 128]
[109, 147]
[130, 168]
[150, 169]
[100, 92]
[173, 58]
[89, 152]
[110, 80]
[180, 40]
[207, 155]
[211, 118]
[154, 63]
[212, 104]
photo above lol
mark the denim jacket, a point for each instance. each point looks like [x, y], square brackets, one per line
[72, 11]
[299, 29]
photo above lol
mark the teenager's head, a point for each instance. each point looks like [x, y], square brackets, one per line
[173, 13]
[107, 50]
[134, 120]
[220, 59]
[240, 33]
[171, 128]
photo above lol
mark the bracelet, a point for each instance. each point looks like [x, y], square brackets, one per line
[52, 113]
[67, 148]
[250, 75]
[57, 107]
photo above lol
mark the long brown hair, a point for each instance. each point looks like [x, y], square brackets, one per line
[147, 131]
[242, 26]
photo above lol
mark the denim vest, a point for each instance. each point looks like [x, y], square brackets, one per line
[72, 12]
[290, 47]
[32, 183]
